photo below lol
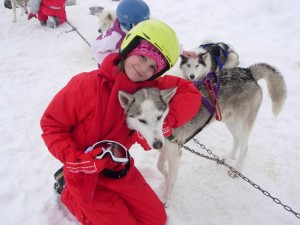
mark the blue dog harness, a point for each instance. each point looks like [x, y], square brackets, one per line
[217, 54]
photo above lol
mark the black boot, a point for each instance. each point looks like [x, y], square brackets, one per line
[60, 181]
[7, 4]
[53, 22]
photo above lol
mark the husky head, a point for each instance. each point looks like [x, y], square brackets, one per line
[145, 111]
[195, 69]
[106, 20]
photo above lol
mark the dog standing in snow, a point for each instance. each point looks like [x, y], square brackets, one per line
[239, 98]
[23, 4]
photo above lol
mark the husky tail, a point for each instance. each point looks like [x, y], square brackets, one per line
[275, 83]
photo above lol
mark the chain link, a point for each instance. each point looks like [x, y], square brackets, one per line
[217, 159]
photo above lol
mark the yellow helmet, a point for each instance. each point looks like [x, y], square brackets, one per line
[158, 34]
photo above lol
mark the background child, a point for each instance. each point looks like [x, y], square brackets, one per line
[51, 11]
[129, 13]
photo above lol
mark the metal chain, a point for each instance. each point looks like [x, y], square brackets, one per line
[217, 159]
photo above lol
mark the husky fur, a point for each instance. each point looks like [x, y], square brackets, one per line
[23, 4]
[148, 107]
[207, 53]
[240, 97]
[106, 20]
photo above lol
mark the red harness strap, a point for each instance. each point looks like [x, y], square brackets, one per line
[213, 98]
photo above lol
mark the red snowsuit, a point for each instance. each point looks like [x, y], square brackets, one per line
[87, 110]
[45, 8]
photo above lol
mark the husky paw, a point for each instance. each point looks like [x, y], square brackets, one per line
[230, 157]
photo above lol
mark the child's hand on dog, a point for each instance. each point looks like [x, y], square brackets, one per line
[189, 54]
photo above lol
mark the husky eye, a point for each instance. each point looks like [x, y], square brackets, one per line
[188, 65]
[158, 118]
[142, 121]
[197, 66]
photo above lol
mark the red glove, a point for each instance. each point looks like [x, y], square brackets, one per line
[31, 15]
[167, 130]
[86, 163]
[141, 140]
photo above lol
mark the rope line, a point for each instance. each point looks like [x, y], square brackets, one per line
[75, 29]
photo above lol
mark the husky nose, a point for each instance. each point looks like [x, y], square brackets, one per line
[192, 76]
[157, 145]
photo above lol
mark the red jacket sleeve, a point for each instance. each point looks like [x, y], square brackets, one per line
[185, 103]
[66, 110]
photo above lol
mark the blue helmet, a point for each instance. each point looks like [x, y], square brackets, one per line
[131, 12]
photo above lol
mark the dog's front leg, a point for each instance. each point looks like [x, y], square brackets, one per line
[14, 6]
[173, 156]
[24, 8]
[161, 164]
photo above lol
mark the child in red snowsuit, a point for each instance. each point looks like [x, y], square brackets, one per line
[51, 11]
[102, 190]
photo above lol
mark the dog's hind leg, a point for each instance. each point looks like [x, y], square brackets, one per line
[244, 124]
[243, 139]
[231, 126]
[240, 135]
[24, 8]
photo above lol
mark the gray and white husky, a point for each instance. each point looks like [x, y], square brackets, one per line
[239, 98]
[210, 57]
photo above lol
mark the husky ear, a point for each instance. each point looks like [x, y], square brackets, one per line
[125, 99]
[167, 94]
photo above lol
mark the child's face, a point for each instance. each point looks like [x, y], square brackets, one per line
[139, 67]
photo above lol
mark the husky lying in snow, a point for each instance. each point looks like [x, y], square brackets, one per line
[239, 98]
[106, 20]
[211, 57]
[23, 4]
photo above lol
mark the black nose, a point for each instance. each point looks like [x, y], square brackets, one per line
[157, 145]
[100, 31]
[192, 77]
